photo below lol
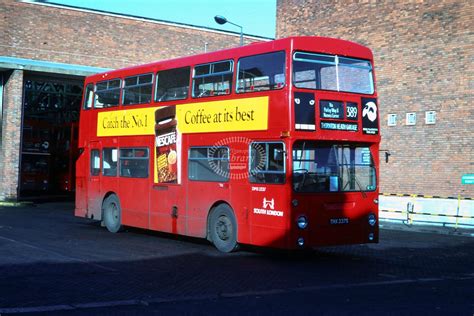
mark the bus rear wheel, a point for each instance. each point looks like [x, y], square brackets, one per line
[223, 228]
[112, 214]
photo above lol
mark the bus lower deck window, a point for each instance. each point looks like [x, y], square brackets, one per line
[134, 162]
[209, 164]
[267, 162]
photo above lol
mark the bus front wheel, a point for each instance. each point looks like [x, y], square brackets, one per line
[223, 228]
[112, 214]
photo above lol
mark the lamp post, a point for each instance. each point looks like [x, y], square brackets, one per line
[222, 20]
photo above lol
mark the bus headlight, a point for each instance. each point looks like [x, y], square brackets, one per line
[372, 219]
[371, 236]
[302, 222]
[294, 202]
[300, 242]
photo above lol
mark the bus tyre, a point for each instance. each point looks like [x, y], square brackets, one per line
[223, 228]
[112, 214]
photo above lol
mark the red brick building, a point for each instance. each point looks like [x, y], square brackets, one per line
[424, 54]
[45, 53]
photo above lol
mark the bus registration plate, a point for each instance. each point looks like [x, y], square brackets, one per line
[339, 221]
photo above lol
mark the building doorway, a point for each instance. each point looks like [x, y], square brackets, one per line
[49, 135]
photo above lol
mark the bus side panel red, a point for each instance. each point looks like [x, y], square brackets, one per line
[167, 208]
[134, 200]
[201, 196]
[270, 215]
[240, 197]
[81, 186]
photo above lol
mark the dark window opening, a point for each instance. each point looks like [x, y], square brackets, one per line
[208, 164]
[267, 162]
[134, 162]
[332, 168]
[213, 79]
[107, 94]
[137, 89]
[261, 72]
[332, 72]
[95, 162]
[172, 84]
[109, 162]
[89, 96]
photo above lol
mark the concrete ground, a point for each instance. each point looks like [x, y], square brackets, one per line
[52, 263]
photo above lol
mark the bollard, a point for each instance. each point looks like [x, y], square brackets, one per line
[410, 207]
[457, 213]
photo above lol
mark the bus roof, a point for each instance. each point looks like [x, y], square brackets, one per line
[325, 45]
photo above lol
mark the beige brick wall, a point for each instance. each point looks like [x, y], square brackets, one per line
[424, 54]
[70, 36]
[11, 131]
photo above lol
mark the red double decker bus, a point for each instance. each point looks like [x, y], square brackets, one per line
[273, 144]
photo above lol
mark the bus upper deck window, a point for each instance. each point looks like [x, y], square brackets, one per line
[137, 89]
[213, 79]
[88, 96]
[107, 93]
[172, 84]
[261, 72]
[332, 72]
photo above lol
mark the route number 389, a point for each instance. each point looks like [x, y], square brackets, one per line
[351, 112]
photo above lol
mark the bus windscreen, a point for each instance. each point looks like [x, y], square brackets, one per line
[332, 168]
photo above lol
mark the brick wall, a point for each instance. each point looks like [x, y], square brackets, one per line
[11, 130]
[424, 54]
[70, 36]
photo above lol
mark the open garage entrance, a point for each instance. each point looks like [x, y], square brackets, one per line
[49, 135]
[39, 115]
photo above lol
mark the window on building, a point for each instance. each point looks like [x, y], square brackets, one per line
[89, 96]
[261, 72]
[208, 164]
[392, 120]
[95, 162]
[109, 162]
[107, 94]
[430, 117]
[172, 84]
[134, 162]
[137, 89]
[411, 119]
[213, 79]
[267, 162]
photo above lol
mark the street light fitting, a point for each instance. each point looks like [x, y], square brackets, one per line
[222, 20]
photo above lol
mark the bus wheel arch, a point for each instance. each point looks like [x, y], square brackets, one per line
[112, 213]
[222, 227]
